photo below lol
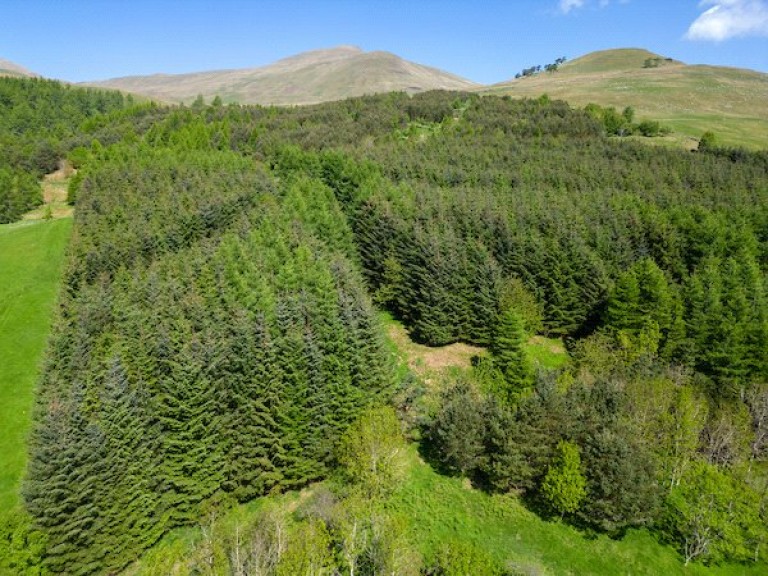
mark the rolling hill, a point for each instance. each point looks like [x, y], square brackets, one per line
[8, 68]
[310, 77]
[731, 102]
[689, 99]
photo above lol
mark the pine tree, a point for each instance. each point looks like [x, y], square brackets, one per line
[624, 303]
[132, 513]
[250, 432]
[65, 476]
[457, 430]
[190, 428]
[510, 356]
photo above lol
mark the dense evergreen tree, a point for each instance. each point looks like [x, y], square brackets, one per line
[19, 193]
[457, 431]
[224, 350]
[510, 356]
[38, 120]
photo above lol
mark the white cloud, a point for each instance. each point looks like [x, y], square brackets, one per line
[565, 6]
[730, 19]
[568, 5]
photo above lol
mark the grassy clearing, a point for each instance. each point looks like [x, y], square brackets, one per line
[31, 255]
[424, 360]
[547, 353]
[427, 360]
[440, 509]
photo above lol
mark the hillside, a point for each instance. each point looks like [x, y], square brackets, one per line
[310, 77]
[8, 68]
[691, 99]
[370, 300]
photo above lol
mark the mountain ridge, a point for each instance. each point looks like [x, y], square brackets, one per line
[306, 78]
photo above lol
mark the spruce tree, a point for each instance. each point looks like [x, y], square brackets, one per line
[510, 355]
[624, 303]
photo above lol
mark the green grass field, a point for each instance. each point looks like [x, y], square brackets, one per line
[31, 256]
[730, 102]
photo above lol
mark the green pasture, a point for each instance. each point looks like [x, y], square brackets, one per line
[31, 256]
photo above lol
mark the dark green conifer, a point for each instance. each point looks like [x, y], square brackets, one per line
[510, 356]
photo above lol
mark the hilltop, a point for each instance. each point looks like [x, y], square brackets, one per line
[310, 77]
[626, 59]
[690, 99]
[8, 68]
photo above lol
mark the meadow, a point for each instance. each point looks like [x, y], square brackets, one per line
[31, 255]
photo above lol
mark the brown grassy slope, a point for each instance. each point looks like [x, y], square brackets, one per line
[731, 102]
[8, 68]
[54, 196]
[317, 76]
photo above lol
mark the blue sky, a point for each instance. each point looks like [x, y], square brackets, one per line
[484, 41]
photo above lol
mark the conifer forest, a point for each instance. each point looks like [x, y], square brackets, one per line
[219, 332]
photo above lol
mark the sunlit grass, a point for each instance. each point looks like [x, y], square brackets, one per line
[690, 100]
[440, 509]
[31, 255]
[547, 353]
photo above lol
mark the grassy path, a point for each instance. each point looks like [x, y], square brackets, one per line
[54, 186]
[31, 256]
